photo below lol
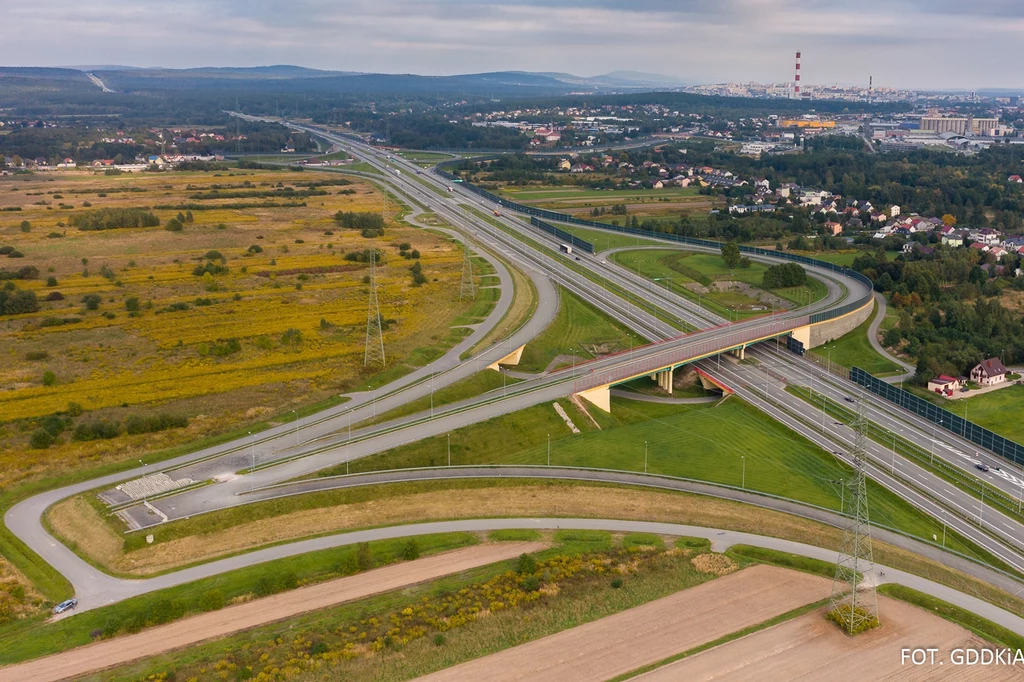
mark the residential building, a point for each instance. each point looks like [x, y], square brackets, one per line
[945, 384]
[989, 372]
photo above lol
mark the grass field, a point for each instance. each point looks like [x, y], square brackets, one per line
[999, 410]
[578, 330]
[731, 444]
[567, 193]
[668, 203]
[703, 277]
[216, 349]
[853, 349]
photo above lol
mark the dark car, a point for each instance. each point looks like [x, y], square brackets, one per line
[982, 466]
[848, 399]
[65, 606]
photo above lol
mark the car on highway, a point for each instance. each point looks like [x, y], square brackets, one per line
[66, 605]
[848, 399]
[982, 466]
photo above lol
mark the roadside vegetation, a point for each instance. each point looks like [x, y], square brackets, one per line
[578, 331]
[854, 349]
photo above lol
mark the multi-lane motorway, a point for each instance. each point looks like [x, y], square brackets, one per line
[247, 470]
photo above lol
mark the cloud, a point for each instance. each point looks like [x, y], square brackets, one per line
[922, 43]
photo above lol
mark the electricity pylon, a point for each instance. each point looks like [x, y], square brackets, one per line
[854, 602]
[374, 352]
[467, 290]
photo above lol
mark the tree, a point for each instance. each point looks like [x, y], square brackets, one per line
[26, 226]
[948, 219]
[364, 556]
[731, 254]
[411, 550]
[174, 225]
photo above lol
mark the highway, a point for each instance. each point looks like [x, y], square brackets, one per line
[312, 443]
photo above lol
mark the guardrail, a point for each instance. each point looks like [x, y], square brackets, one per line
[822, 316]
[954, 423]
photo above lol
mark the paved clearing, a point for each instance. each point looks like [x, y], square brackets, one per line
[258, 612]
[646, 634]
[810, 648]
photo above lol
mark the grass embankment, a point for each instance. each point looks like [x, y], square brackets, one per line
[34, 637]
[607, 239]
[700, 277]
[999, 410]
[434, 626]
[473, 385]
[854, 349]
[524, 305]
[578, 330]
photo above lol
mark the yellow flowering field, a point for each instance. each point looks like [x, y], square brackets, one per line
[248, 311]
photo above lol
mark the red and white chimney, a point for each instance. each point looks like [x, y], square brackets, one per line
[796, 80]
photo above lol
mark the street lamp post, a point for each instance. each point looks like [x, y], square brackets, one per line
[842, 496]
[431, 394]
[645, 457]
[449, 449]
[252, 465]
[943, 528]
[743, 475]
[549, 449]
[893, 469]
[931, 449]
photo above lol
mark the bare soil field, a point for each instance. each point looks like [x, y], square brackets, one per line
[811, 648]
[232, 619]
[618, 644]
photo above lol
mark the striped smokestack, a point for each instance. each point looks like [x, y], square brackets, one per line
[796, 83]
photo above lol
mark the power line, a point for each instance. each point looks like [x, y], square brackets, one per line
[854, 602]
[374, 351]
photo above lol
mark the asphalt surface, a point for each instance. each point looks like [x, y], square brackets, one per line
[908, 369]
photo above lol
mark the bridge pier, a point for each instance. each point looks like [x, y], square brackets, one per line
[512, 358]
[665, 379]
[740, 352]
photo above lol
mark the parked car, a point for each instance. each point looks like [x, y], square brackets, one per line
[65, 606]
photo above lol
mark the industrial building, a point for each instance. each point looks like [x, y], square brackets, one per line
[960, 126]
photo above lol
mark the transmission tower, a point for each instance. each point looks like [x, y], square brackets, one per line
[854, 603]
[374, 352]
[467, 290]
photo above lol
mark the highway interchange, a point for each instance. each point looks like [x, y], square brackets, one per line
[255, 468]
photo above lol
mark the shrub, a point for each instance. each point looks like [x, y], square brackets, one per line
[214, 255]
[174, 225]
[51, 281]
[96, 430]
[438, 639]
[136, 424]
[15, 302]
[266, 585]
[49, 378]
[114, 218]
[74, 410]
[34, 355]
[4, 250]
[55, 296]
[54, 235]
[531, 584]
[255, 248]
[40, 440]
[211, 600]
[526, 565]
[616, 583]
[15, 254]
[209, 267]
[131, 304]
[364, 556]
[91, 301]
[26, 226]
[291, 337]
[411, 550]
[783, 275]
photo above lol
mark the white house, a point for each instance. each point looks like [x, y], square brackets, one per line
[989, 372]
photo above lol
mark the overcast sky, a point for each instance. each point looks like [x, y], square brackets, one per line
[903, 43]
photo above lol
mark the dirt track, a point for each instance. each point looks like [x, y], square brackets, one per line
[810, 648]
[646, 634]
[189, 631]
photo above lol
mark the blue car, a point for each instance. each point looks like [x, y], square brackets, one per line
[65, 606]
